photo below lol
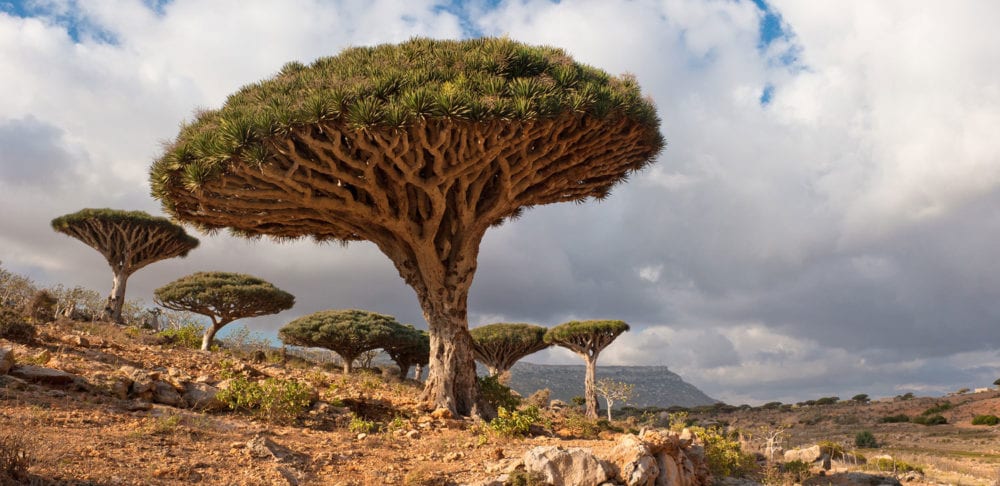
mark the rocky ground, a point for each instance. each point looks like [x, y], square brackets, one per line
[98, 404]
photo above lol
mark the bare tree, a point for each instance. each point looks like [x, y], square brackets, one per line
[419, 148]
[614, 391]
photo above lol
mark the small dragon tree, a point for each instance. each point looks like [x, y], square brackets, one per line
[223, 297]
[345, 332]
[419, 148]
[500, 345]
[408, 346]
[587, 339]
[129, 240]
[614, 391]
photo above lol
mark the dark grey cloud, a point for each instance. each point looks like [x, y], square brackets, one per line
[33, 154]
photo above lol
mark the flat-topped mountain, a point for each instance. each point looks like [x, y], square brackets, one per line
[654, 385]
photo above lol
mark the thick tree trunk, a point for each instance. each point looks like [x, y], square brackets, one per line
[588, 387]
[116, 299]
[348, 363]
[451, 382]
[403, 371]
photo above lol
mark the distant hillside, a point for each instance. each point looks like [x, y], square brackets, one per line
[654, 385]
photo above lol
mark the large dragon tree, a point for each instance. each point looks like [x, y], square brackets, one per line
[223, 297]
[500, 345]
[587, 339]
[419, 148]
[129, 240]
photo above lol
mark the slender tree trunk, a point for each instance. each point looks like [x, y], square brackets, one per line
[418, 372]
[116, 299]
[610, 403]
[206, 340]
[590, 394]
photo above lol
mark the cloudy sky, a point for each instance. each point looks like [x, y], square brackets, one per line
[823, 221]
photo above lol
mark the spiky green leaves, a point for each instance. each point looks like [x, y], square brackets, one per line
[346, 332]
[223, 296]
[393, 85]
[586, 337]
[500, 345]
[408, 346]
[72, 224]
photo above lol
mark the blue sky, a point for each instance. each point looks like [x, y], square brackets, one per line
[821, 222]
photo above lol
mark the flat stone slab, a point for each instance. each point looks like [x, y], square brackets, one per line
[6, 360]
[39, 374]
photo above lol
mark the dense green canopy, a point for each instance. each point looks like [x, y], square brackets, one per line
[408, 346]
[500, 345]
[346, 332]
[106, 216]
[587, 339]
[388, 87]
[223, 297]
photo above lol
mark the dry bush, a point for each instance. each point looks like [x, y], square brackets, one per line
[14, 458]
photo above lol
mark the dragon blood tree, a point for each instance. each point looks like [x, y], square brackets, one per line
[223, 297]
[408, 347]
[500, 345]
[587, 339]
[419, 148]
[349, 333]
[129, 240]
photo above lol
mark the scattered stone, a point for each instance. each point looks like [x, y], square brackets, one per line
[454, 456]
[807, 455]
[138, 405]
[851, 479]
[166, 394]
[75, 340]
[362, 436]
[12, 383]
[38, 374]
[201, 396]
[441, 414]
[413, 434]
[6, 360]
[575, 466]
[500, 480]
[261, 447]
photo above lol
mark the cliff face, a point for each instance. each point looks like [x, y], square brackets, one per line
[654, 385]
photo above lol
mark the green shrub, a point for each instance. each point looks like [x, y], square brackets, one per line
[937, 409]
[581, 425]
[832, 449]
[771, 405]
[986, 420]
[827, 400]
[14, 327]
[497, 394]
[861, 398]
[865, 440]
[797, 471]
[895, 419]
[272, 399]
[185, 336]
[521, 477]
[359, 425]
[897, 466]
[724, 455]
[514, 423]
[930, 420]
[14, 459]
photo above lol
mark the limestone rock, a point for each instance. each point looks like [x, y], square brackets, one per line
[633, 462]
[852, 479]
[201, 396]
[807, 455]
[9, 382]
[38, 374]
[6, 360]
[75, 340]
[575, 466]
[166, 394]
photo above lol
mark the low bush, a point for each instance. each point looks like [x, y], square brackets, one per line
[797, 471]
[896, 466]
[272, 399]
[724, 455]
[581, 426]
[14, 459]
[514, 423]
[827, 400]
[359, 425]
[13, 327]
[865, 440]
[930, 420]
[986, 420]
[185, 336]
[895, 419]
[497, 394]
[938, 408]
[832, 449]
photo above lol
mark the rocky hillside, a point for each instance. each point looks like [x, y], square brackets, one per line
[654, 385]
